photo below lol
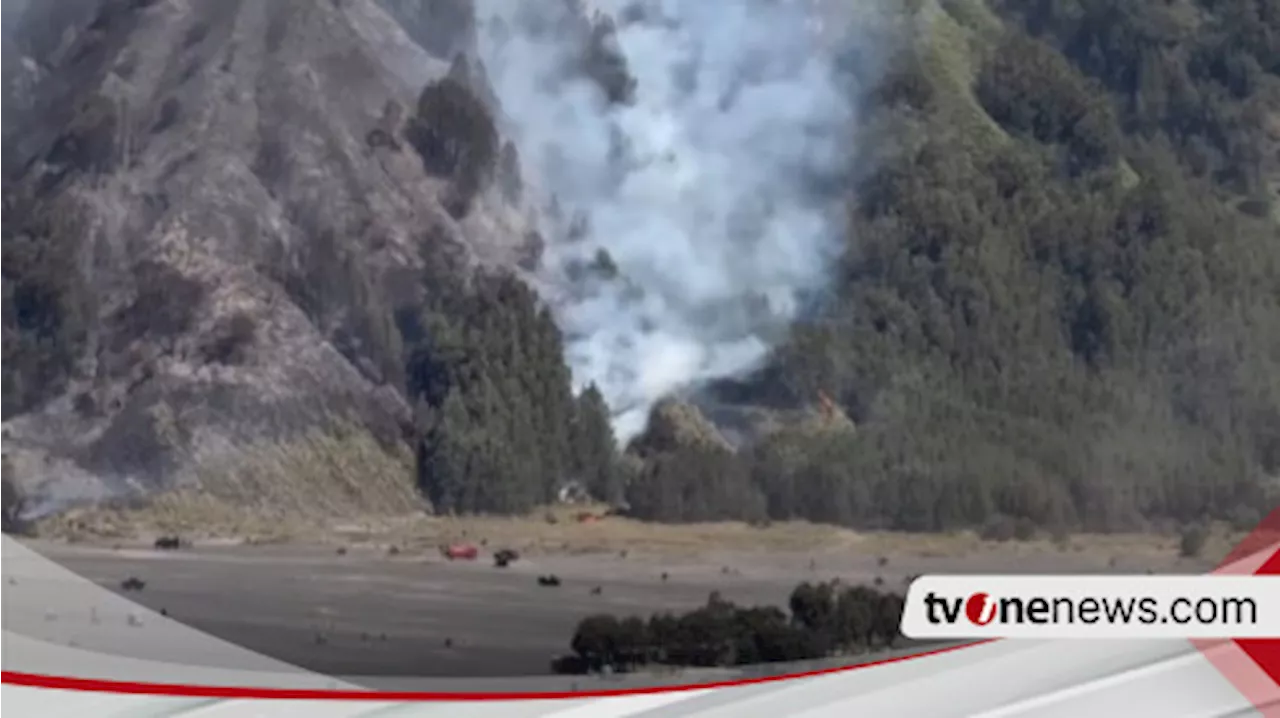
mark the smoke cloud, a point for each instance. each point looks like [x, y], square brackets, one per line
[693, 215]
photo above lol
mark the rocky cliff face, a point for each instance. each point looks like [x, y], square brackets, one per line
[223, 199]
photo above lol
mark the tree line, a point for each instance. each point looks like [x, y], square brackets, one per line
[822, 620]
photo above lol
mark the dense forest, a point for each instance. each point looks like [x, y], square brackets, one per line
[1059, 304]
[1061, 296]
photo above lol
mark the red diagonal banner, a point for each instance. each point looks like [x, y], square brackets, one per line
[1253, 665]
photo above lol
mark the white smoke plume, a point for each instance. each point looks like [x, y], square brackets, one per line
[709, 190]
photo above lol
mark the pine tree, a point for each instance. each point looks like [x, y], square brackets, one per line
[594, 448]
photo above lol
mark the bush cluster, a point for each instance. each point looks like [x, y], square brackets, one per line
[454, 134]
[823, 619]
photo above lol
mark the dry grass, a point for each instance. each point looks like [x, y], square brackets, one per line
[340, 472]
[266, 492]
[400, 521]
[535, 534]
[794, 544]
[342, 487]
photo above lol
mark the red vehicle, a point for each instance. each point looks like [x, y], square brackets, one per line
[460, 552]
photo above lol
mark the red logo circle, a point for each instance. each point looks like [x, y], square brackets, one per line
[980, 609]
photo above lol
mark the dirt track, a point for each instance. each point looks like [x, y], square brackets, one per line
[330, 613]
[368, 613]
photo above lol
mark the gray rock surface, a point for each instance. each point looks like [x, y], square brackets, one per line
[236, 225]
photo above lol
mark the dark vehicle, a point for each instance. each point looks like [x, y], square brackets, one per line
[168, 543]
[551, 580]
[505, 557]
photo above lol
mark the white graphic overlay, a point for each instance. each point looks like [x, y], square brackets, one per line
[1105, 607]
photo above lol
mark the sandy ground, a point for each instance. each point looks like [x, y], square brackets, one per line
[367, 612]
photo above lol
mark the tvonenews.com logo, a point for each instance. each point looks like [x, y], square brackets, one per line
[983, 609]
[1092, 607]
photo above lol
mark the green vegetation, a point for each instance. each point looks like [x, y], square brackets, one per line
[455, 135]
[499, 427]
[1075, 325]
[825, 619]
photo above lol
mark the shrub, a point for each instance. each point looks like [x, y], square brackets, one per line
[510, 180]
[455, 136]
[999, 528]
[605, 64]
[596, 640]
[824, 617]
[89, 142]
[231, 339]
[1192, 540]
[14, 503]
[1024, 529]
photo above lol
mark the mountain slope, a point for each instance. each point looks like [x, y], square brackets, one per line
[243, 248]
[1060, 297]
[205, 243]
